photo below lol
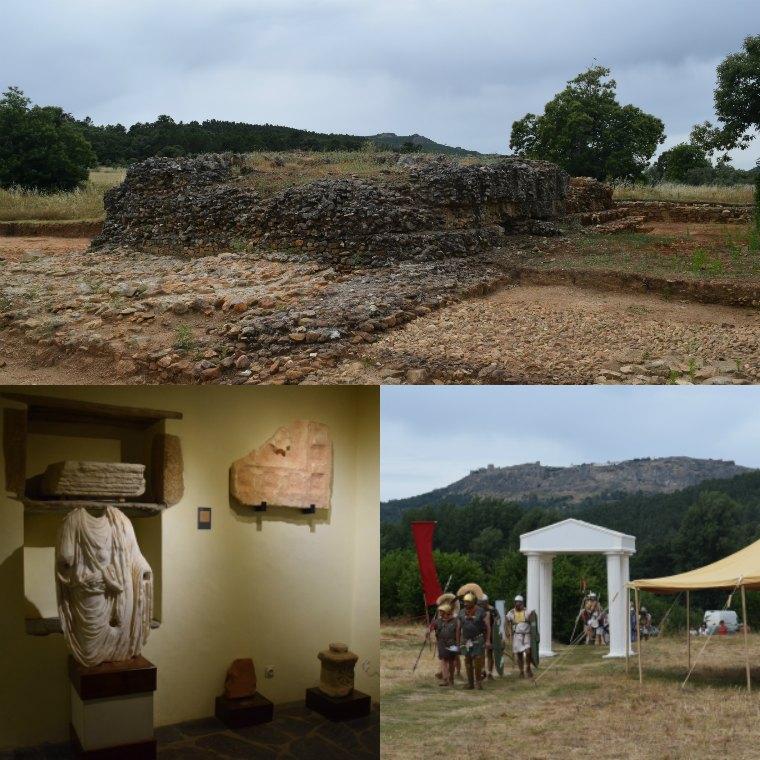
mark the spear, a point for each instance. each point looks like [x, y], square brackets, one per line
[427, 634]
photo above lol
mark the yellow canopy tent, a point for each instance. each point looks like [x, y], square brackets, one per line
[740, 570]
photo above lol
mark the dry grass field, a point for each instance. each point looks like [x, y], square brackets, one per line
[580, 705]
[86, 203]
[669, 191]
[271, 172]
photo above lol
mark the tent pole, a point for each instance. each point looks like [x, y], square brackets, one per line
[638, 635]
[746, 644]
[688, 630]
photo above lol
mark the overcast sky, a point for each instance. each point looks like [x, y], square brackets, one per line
[434, 435]
[458, 72]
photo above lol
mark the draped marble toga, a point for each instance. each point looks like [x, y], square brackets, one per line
[104, 587]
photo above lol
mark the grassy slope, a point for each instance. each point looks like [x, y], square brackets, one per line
[582, 702]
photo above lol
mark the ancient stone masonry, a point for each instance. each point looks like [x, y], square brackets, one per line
[431, 208]
[294, 468]
[586, 195]
[668, 211]
[102, 479]
[336, 677]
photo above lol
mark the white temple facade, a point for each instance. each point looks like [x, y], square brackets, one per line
[573, 536]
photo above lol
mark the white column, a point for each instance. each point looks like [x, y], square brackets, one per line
[545, 606]
[625, 574]
[533, 590]
[616, 605]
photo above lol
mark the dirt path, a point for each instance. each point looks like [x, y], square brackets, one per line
[555, 334]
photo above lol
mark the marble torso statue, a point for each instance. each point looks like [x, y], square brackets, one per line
[104, 587]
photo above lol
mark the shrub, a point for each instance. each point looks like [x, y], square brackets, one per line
[41, 148]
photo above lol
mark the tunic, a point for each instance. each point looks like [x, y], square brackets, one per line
[446, 636]
[520, 630]
[473, 632]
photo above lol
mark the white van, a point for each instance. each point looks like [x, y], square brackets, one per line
[729, 617]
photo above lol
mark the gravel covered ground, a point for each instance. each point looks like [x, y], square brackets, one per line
[68, 315]
[550, 334]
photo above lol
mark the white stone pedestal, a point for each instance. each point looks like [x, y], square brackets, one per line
[112, 709]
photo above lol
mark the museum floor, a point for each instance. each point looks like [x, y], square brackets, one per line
[295, 734]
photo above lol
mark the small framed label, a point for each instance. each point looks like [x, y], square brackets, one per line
[204, 518]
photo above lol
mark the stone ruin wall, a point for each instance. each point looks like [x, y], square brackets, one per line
[435, 209]
[672, 211]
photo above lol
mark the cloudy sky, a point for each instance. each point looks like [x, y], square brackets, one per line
[458, 72]
[432, 436]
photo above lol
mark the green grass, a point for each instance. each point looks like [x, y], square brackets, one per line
[183, 338]
[731, 256]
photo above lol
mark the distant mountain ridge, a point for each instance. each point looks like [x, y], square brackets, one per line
[425, 144]
[536, 483]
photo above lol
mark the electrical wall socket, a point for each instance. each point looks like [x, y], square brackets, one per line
[269, 672]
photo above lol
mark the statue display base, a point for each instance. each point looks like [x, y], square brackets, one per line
[355, 705]
[112, 710]
[245, 711]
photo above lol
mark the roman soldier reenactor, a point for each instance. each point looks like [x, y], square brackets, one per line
[473, 638]
[591, 613]
[519, 622]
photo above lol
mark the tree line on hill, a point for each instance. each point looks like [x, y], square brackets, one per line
[47, 149]
[479, 541]
[583, 129]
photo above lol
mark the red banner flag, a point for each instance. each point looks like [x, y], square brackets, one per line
[423, 540]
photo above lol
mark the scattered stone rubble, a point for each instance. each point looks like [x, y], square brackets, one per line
[436, 208]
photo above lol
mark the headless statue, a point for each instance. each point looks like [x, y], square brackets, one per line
[104, 587]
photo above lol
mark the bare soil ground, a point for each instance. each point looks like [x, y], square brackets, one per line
[68, 315]
[561, 334]
[581, 704]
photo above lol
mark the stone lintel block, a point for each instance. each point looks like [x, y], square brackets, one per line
[111, 479]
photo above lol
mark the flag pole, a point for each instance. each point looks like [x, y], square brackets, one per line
[427, 619]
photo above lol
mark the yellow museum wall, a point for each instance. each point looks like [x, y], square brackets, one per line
[276, 589]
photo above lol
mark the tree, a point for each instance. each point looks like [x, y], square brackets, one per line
[737, 101]
[588, 133]
[683, 163]
[710, 530]
[41, 148]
